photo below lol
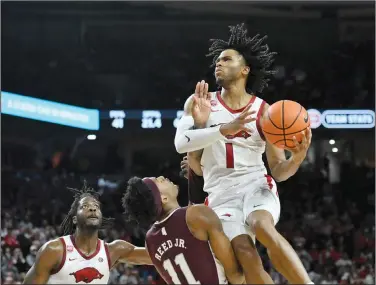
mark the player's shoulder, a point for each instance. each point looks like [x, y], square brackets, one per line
[54, 244]
[264, 105]
[52, 249]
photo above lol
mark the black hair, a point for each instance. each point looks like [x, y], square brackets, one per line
[255, 53]
[140, 211]
[67, 226]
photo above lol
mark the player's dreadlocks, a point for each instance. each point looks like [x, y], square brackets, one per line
[67, 225]
[140, 211]
[255, 53]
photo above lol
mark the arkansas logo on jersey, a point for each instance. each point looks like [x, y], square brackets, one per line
[241, 134]
[87, 274]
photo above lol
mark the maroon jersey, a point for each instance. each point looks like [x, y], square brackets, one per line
[179, 257]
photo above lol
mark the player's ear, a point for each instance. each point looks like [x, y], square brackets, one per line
[164, 199]
[74, 220]
[246, 69]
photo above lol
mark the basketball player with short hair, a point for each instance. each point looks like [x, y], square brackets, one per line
[218, 131]
[80, 256]
[186, 244]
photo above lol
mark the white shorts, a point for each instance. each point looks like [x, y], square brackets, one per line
[234, 206]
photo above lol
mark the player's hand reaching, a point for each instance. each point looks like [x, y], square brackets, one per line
[299, 152]
[184, 167]
[201, 107]
[239, 123]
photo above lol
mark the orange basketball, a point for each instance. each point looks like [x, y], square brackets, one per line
[284, 120]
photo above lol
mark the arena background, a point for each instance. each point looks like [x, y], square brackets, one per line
[132, 66]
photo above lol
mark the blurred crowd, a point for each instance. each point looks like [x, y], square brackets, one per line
[331, 226]
[342, 79]
[344, 76]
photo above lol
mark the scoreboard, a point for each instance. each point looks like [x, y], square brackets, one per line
[94, 119]
[156, 119]
[148, 119]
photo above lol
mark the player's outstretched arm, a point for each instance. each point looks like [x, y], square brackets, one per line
[187, 138]
[48, 258]
[124, 252]
[206, 225]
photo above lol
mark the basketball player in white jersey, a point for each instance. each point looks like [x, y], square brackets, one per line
[81, 257]
[221, 124]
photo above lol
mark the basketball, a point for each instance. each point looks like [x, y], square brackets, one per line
[284, 120]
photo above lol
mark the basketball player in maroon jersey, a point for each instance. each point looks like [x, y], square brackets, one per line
[184, 243]
[80, 255]
[242, 67]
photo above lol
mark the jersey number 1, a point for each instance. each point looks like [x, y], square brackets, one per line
[229, 155]
[182, 263]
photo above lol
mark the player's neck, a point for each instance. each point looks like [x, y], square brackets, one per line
[168, 209]
[86, 241]
[235, 95]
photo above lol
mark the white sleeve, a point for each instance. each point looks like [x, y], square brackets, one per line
[187, 140]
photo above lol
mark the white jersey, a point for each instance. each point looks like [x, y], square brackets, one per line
[235, 159]
[76, 267]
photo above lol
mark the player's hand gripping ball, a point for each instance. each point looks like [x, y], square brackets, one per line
[283, 121]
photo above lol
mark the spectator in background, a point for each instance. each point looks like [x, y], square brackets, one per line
[19, 261]
[329, 279]
[314, 274]
[30, 258]
[11, 239]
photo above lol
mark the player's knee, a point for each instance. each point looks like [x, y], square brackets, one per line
[265, 232]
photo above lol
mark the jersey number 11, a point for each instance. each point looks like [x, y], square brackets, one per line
[182, 263]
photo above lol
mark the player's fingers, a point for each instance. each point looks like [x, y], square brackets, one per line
[309, 135]
[296, 143]
[195, 102]
[185, 158]
[246, 109]
[202, 93]
[202, 87]
[246, 113]
[197, 90]
[248, 120]
[206, 92]
[248, 130]
[304, 138]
